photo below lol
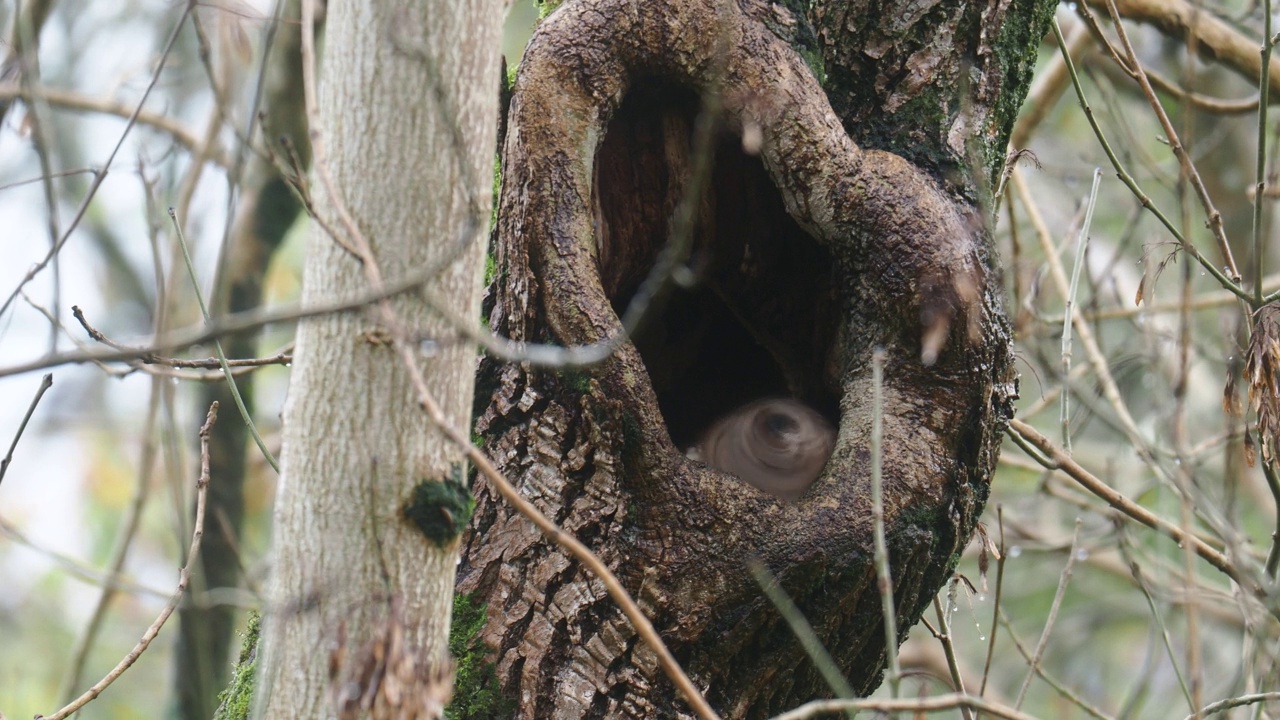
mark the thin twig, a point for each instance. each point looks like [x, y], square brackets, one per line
[213, 128]
[1219, 106]
[1175, 144]
[1260, 239]
[1135, 570]
[1224, 705]
[1273, 483]
[1043, 643]
[227, 325]
[1106, 379]
[1203, 301]
[1050, 680]
[71, 100]
[101, 175]
[28, 21]
[884, 578]
[41, 177]
[184, 578]
[1137, 191]
[46, 382]
[284, 357]
[1059, 461]
[27, 30]
[1196, 100]
[245, 146]
[1180, 18]
[1096, 359]
[1082, 245]
[995, 606]
[949, 648]
[803, 631]
[76, 568]
[936, 703]
[217, 347]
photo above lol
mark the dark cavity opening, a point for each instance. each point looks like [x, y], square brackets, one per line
[759, 318]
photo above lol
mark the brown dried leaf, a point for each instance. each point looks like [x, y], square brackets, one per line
[1230, 398]
[985, 550]
[1262, 367]
[388, 678]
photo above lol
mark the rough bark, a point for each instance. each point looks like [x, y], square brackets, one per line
[808, 257]
[938, 83]
[408, 113]
[266, 211]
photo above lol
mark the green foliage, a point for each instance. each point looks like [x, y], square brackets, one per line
[813, 58]
[476, 695]
[579, 380]
[490, 265]
[546, 7]
[440, 509]
[490, 269]
[493, 210]
[236, 702]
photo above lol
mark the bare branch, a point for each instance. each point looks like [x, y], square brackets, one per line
[184, 578]
[71, 100]
[1214, 38]
[929, 704]
[46, 382]
[101, 175]
[1055, 459]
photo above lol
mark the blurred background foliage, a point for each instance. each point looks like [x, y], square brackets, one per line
[1154, 643]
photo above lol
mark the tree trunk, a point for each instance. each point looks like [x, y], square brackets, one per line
[806, 258]
[408, 112]
[267, 209]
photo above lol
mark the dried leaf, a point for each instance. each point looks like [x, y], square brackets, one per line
[387, 678]
[1262, 367]
[1230, 398]
[986, 550]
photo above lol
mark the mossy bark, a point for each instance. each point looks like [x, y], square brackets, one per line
[236, 701]
[807, 257]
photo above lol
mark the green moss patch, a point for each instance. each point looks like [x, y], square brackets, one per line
[441, 509]
[236, 702]
[476, 694]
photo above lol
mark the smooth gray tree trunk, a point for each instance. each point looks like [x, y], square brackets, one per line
[408, 113]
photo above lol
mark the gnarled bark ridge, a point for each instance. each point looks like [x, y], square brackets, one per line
[807, 257]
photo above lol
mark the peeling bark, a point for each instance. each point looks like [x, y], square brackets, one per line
[807, 257]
